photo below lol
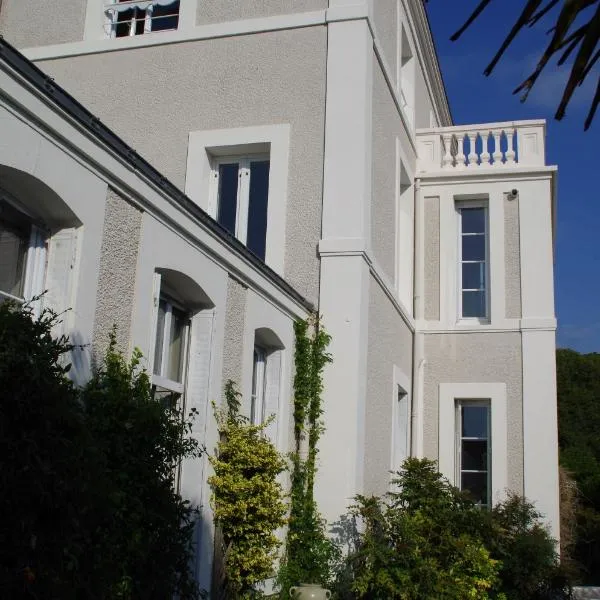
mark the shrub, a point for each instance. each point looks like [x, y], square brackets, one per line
[428, 540]
[247, 499]
[420, 542]
[88, 503]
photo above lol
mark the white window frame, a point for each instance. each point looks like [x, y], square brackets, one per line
[204, 146]
[243, 190]
[495, 394]
[110, 19]
[460, 405]
[160, 380]
[459, 206]
[259, 381]
[35, 259]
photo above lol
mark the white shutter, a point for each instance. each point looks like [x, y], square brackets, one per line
[196, 396]
[272, 387]
[156, 280]
[60, 273]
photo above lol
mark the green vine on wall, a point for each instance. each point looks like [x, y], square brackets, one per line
[309, 552]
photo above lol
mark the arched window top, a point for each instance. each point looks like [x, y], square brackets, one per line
[268, 339]
[36, 199]
[184, 290]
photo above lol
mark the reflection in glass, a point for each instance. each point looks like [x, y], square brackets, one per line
[228, 195]
[257, 207]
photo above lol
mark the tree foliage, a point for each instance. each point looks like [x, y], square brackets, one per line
[574, 31]
[88, 504]
[428, 540]
[247, 498]
[578, 378]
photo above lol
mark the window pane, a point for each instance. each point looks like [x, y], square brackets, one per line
[15, 230]
[473, 276]
[474, 421]
[473, 247]
[165, 17]
[124, 22]
[160, 333]
[473, 220]
[258, 377]
[228, 191]
[257, 207]
[473, 304]
[474, 455]
[477, 486]
[176, 345]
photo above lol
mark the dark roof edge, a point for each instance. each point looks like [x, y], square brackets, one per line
[61, 98]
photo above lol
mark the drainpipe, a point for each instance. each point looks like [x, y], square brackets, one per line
[418, 379]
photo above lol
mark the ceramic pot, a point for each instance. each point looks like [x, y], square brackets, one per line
[309, 591]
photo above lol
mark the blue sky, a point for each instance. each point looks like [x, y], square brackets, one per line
[475, 98]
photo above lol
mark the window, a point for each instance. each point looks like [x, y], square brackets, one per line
[473, 258]
[257, 404]
[241, 186]
[473, 449]
[136, 17]
[22, 253]
[170, 351]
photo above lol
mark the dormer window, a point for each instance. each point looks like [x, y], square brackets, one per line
[136, 17]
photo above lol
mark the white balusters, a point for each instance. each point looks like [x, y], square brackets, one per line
[485, 155]
[489, 155]
[473, 156]
[447, 159]
[497, 154]
[510, 153]
[460, 155]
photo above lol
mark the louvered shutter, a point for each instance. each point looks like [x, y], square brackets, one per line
[197, 390]
[60, 274]
[272, 388]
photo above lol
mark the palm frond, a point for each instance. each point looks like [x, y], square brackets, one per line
[583, 39]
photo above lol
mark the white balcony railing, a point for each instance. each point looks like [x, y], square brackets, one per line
[482, 146]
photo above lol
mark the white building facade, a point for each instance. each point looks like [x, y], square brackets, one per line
[317, 134]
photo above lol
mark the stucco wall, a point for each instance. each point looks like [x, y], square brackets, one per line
[269, 78]
[217, 11]
[424, 105]
[431, 216]
[233, 343]
[24, 24]
[389, 344]
[116, 282]
[387, 126]
[385, 16]
[512, 258]
[477, 358]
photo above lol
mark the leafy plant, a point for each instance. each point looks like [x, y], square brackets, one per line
[428, 540]
[310, 555]
[247, 498]
[88, 502]
[141, 519]
[576, 26]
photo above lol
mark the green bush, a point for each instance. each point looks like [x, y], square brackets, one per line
[247, 499]
[89, 510]
[428, 540]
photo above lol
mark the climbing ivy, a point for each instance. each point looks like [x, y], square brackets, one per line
[309, 554]
[247, 499]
